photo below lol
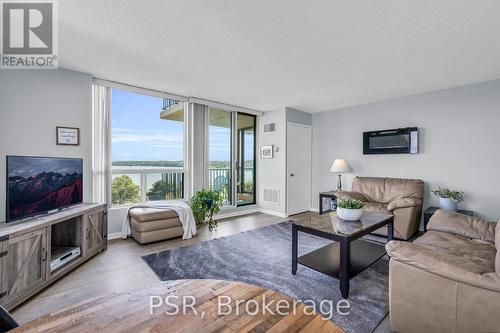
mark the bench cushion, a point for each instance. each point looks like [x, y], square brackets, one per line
[155, 225]
[152, 214]
[157, 235]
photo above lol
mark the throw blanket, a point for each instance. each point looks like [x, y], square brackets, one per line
[180, 207]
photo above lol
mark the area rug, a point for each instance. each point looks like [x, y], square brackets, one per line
[263, 257]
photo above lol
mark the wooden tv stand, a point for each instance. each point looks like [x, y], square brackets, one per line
[26, 246]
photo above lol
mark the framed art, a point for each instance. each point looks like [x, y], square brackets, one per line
[68, 136]
[267, 151]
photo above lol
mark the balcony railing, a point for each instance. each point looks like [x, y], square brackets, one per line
[159, 183]
[167, 102]
[147, 184]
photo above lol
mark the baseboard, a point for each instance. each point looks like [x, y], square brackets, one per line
[114, 235]
[237, 213]
[272, 212]
[314, 210]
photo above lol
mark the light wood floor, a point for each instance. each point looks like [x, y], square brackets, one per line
[121, 267]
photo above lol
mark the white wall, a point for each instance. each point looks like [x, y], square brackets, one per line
[271, 173]
[32, 104]
[459, 146]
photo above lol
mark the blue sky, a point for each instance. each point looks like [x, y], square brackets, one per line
[138, 133]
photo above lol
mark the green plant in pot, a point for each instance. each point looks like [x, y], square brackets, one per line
[205, 204]
[448, 199]
[350, 209]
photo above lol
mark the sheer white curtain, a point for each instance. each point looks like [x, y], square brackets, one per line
[101, 145]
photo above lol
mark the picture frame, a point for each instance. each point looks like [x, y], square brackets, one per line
[67, 136]
[267, 151]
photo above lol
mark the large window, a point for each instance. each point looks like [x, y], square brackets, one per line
[147, 148]
[231, 151]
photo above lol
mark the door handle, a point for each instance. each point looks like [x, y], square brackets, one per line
[292, 175]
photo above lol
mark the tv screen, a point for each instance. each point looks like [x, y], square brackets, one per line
[37, 185]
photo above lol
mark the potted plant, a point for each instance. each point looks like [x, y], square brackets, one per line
[205, 204]
[350, 209]
[448, 199]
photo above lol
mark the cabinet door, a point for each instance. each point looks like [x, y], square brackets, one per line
[3, 270]
[95, 231]
[25, 264]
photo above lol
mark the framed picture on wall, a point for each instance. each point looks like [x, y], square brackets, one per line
[68, 136]
[267, 151]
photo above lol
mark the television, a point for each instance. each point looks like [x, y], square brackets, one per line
[38, 185]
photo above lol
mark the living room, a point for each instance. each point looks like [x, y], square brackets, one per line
[337, 158]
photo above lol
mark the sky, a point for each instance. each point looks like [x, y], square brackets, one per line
[31, 166]
[138, 133]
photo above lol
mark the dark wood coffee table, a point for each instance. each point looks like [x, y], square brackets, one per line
[348, 255]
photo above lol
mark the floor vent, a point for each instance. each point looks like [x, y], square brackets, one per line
[271, 195]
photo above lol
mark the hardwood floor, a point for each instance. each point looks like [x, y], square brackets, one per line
[121, 311]
[121, 267]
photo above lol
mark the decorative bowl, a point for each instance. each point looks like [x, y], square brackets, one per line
[349, 214]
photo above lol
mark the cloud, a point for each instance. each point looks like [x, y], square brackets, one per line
[156, 138]
[121, 130]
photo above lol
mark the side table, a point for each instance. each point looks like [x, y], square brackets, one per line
[326, 195]
[431, 210]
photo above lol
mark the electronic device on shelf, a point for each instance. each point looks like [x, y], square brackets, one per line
[62, 256]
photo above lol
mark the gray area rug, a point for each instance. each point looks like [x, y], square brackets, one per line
[263, 257]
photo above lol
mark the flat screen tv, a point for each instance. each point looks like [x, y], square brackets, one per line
[37, 185]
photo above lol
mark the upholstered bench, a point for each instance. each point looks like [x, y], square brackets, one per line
[154, 224]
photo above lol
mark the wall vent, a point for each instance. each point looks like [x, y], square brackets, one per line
[271, 127]
[271, 195]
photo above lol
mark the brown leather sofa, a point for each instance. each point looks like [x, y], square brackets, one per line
[401, 197]
[447, 280]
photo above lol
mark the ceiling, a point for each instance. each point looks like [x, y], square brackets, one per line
[266, 54]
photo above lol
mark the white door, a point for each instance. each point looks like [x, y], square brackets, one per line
[299, 146]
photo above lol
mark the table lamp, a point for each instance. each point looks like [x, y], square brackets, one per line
[339, 166]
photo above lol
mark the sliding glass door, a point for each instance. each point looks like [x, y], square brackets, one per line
[231, 156]
[220, 148]
[245, 166]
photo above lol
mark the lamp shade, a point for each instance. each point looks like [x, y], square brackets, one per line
[339, 166]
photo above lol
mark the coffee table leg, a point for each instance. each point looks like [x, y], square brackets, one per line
[390, 230]
[345, 256]
[295, 241]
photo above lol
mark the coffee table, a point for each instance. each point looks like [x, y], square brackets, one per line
[348, 255]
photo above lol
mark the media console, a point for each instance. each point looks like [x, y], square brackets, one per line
[35, 253]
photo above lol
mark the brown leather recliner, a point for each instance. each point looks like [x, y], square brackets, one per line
[448, 279]
[401, 197]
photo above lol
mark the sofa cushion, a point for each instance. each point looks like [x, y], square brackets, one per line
[463, 225]
[497, 244]
[151, 214]
[376, 207]
[472, 255]
[385, 190]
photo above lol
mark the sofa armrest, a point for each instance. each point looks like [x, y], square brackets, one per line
[437, 263]
[462, 225]
[403, 203]
[347, 195]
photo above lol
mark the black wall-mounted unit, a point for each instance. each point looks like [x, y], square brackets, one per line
[394, 141]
